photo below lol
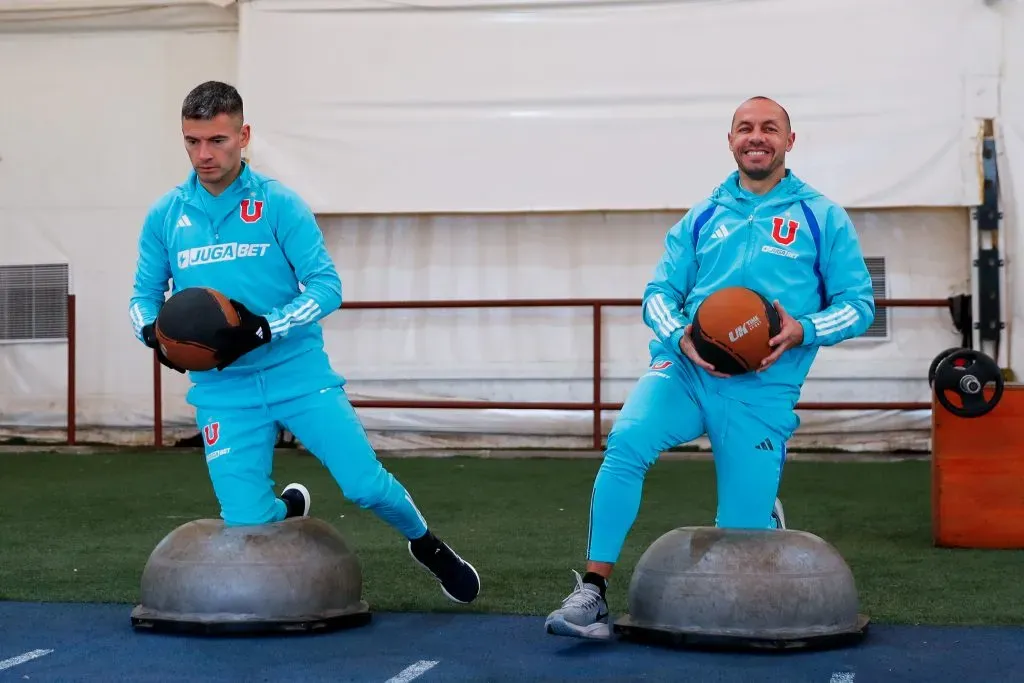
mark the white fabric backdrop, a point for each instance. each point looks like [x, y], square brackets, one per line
[545, 354]
[77, 171]
[61, 16]
[1010, 130]
[373, 106]
[520, 355]
[90, 136]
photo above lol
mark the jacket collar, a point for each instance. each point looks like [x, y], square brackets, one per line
[242, 184]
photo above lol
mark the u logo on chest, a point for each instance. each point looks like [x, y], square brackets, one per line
[784, 230]
[251, 210]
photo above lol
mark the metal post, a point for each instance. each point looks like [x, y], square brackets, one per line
[158, 419]
[597, 376]
[72, 371]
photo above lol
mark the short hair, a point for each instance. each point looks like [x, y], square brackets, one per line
[210, 99]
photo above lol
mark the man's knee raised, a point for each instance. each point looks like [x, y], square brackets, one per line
[630, 444]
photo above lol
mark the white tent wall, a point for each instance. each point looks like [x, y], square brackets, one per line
[545, 354]
[446, 161]
[90, 136]
[436, 108]
[381, 107]
[77, 16]
[1010, 141]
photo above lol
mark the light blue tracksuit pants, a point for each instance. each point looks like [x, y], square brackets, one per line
[240, 417]
[673, 404]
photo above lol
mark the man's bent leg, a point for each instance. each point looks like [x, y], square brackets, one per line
[329, 428]
[749, 443]
[661, 412]
[239, 445]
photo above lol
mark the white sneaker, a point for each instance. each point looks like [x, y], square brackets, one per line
[583, 614]
[779, 515]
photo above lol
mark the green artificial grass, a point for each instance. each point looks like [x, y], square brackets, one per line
[80, 528]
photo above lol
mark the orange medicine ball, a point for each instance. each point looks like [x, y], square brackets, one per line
[188, 323]
[731, 329]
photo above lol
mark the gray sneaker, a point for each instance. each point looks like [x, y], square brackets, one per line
[779, 515]
[583, 614]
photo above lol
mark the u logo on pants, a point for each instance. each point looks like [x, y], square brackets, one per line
[240, 448]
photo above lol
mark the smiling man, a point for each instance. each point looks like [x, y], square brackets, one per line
[765, 229]
[255, 240]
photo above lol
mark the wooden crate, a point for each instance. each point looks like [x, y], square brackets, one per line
[978, 475]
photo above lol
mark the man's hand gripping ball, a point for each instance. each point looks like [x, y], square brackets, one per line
[251, 332]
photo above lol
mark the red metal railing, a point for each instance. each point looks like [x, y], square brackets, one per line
[596, 405]
[72, 372]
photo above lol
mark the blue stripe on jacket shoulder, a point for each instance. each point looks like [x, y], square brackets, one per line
[812, 223]
[702, 219]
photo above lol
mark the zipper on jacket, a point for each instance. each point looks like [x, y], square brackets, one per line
[214, 226]
[750, 244]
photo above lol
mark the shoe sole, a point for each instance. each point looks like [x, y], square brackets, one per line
[443, 589]
[779, 514]
[305, 496]
[558, 626]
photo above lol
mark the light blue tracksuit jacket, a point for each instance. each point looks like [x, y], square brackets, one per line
[792, 244]
[257, 242]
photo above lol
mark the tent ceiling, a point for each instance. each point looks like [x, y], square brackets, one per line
[53, 16]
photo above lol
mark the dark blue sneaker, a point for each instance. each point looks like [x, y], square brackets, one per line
[458, 578]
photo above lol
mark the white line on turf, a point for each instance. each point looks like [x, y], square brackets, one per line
[413, 671]
[841, 677]
[21, 659]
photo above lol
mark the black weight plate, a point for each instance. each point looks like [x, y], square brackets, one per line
[967, 374]
[937, 360]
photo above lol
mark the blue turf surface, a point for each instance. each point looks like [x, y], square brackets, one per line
[96, 642]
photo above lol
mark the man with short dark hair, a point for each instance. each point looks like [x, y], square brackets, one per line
[765, 229]
[253, 239]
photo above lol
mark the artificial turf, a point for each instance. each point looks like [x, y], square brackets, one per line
[80, 528]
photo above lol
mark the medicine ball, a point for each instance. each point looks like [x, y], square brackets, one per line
[188, 323]
[731, 329]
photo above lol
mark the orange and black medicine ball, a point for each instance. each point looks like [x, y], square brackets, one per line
[187, 326]
[731, 329]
